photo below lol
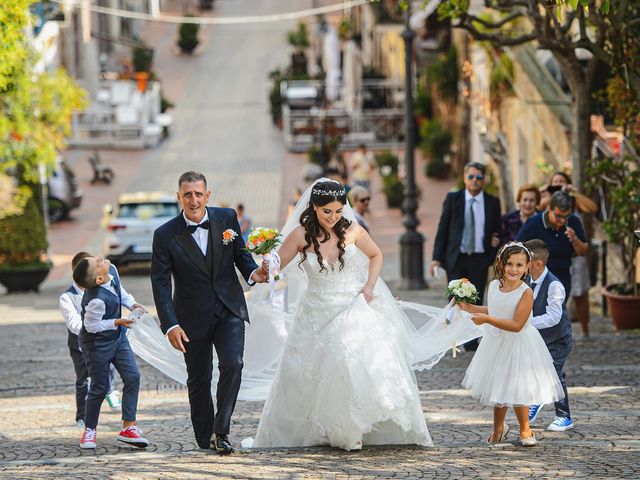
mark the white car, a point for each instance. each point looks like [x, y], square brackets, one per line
[130, 227]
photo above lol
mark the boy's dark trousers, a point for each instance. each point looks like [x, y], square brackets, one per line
[560, 350]
[99, 351]
[82, 375]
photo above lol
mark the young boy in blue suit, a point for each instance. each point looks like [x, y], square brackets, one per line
[551, 319]
[103, 342]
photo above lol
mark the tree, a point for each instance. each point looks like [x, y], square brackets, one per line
[35, 114]
[606, 29]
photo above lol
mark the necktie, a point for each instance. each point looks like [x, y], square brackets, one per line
[470, 229]
[533, 285]
[193, 228]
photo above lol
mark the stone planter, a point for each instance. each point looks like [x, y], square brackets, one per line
[624, 309]
[24, 280]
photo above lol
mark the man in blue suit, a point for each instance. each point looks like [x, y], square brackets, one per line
[207, 308]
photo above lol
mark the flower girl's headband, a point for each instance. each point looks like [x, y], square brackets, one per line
[515, 244]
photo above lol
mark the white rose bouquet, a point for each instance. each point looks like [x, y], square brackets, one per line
[462, 290]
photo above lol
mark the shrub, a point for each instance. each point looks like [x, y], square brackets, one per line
[23, 238]
[188, 36]
[142, 58]
[387, 159]
[435, 140]
[393, 188]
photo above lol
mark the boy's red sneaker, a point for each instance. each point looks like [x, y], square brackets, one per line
[133, 436]
[88, 439]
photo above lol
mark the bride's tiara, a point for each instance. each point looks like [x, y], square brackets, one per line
[326, 193]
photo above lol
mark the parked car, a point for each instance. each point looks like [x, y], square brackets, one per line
[64, 194]
[130, 226]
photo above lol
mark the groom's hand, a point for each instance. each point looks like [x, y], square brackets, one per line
[177, 337]
[259, 276]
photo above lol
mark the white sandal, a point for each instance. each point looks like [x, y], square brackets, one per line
[503, 437]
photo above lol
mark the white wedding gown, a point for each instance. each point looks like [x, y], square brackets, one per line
[344, 376]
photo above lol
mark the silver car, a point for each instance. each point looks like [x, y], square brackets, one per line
[64, 194]
[130, 227]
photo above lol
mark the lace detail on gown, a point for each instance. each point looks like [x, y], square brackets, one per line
[343, 377]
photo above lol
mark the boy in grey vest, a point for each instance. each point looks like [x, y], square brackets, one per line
[551, 319]
[103, 341]
[70, 309]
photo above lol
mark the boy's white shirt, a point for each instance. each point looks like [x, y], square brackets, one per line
[70, 309]
[555, 300]
[96, 308]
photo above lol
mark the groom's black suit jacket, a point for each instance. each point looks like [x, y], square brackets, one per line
[198, 286]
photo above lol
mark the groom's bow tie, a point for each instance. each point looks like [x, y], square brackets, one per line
[193, 228]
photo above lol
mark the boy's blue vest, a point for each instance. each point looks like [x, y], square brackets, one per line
[563, 327]
[112, 305]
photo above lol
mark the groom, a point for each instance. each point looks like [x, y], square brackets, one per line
[207, 308]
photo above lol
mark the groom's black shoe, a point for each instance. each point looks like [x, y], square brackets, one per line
[221, 444]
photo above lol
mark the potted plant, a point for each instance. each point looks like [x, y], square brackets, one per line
[23, 246]
[435, 144]
[387, 163]
[393, 189]
[142, 59]
[188, 36]
[299, 40]
[617, 180]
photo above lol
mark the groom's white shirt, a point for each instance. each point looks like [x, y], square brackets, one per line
[201, 235]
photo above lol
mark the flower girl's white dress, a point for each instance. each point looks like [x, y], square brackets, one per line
[512, 368]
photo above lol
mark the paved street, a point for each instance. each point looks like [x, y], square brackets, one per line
[220, 122]
[39, 440]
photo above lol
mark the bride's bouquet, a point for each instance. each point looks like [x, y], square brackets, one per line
[458, 291]
[263, 241]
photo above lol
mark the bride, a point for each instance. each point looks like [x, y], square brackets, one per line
[334, 354]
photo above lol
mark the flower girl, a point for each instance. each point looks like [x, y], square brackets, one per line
[512, 366]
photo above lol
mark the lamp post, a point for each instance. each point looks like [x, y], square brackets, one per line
[411, 241]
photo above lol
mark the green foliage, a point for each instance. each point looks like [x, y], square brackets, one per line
[388, 11]
[501, 76]
[35, 120]
[435, 140]
[437, 168]
[299, 39]
[23, 238]
[393, 188]
[387, 163]
[188, 36]
[345, 29]
[142, 58]
[620, 180]
[422, 103]
[445, 74]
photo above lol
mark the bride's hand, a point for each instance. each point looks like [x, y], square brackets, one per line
[464, 306]
[367, 292]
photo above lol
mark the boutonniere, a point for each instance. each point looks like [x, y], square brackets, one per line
[228, 236]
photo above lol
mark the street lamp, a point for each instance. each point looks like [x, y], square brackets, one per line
[411, 241]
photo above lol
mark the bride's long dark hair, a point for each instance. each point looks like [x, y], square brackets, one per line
[322, 194]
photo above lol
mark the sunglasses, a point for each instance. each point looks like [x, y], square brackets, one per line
[364, 199]
[477, 177]
[560, 216]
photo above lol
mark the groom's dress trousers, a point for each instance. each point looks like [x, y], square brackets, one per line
[208, 304]
[551, 319]
[103, 344]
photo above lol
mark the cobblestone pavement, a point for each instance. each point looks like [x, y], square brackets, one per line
[38, 438]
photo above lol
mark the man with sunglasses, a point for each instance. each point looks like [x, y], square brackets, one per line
[468, 232]
[563, 233]
[359, 197]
